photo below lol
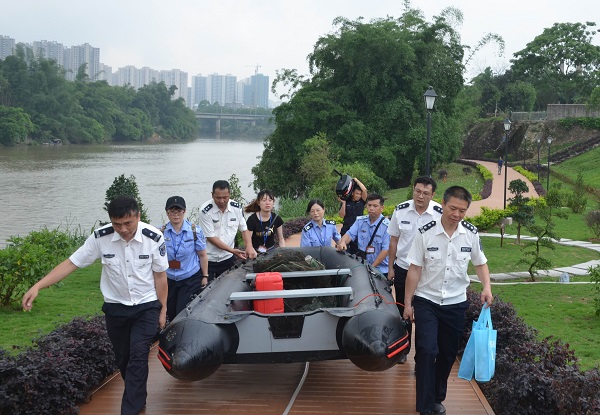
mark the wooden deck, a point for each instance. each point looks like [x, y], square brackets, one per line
[329, 387]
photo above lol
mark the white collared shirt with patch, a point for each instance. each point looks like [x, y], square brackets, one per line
[223, 225]
[127, 267]
[444, 260]
[405, 223]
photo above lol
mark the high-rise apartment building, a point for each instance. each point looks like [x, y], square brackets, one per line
[85, 54]
[7, 46]
[199, 91]
[221, 89]
[49, 50]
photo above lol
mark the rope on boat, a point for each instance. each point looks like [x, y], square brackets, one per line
[297, 391]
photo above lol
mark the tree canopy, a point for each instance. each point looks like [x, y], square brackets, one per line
[35, 95]
[365, 94]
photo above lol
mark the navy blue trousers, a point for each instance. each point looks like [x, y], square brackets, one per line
[438, 330]
[181, 293]
[131, 330]
[217, 268]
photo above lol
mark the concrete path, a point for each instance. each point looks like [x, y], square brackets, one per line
[496, 199]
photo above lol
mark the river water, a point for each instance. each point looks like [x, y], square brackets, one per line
[66, 185]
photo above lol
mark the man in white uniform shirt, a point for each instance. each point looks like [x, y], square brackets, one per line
[437, 279]
[406, 219]
[220, 219]
[134, 286]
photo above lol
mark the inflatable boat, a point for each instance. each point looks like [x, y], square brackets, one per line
[266, 311]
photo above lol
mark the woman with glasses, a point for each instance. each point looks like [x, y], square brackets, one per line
[318, 232]
[188, 263]
[264, 223]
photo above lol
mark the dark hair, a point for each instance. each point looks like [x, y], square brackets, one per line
[312, 203]
[426, 180]
[458, 192]
[375, 196]
[254, 206]
[221, 184]
[122, 206]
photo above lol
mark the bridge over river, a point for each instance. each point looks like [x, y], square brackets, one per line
[217, 117]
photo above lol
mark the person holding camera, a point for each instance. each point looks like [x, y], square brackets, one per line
[370, 233]
[351, 209]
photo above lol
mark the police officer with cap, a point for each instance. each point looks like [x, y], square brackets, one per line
[188, 261]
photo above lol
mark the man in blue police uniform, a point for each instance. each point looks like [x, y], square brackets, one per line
[134, 286]
[406, 219]
[437, 279]
[370, 231]
[220, 220]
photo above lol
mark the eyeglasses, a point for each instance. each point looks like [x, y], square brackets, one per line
[420, 193]
[175, 211]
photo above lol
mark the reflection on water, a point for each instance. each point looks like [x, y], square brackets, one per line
[58, 185]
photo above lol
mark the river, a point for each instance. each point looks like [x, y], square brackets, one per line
[65, 185]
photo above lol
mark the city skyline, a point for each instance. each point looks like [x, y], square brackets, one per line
[214, 88]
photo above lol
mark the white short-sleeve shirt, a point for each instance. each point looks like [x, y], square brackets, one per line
[404, 225]
[127, 267]
[223, 225]
[444, 260]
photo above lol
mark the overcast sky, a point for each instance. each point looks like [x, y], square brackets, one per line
[203, 37]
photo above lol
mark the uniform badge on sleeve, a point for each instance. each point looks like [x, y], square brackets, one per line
[162, 249]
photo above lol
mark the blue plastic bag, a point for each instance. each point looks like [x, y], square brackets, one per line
[479, 357]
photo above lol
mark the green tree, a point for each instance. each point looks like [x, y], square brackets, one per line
[15, 125]
[521, 210]
[562, 63]
[545, 235]
[125, 186]
[370, 105]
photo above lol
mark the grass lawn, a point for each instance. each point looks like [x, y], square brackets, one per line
[77, 295]
[586, 163]
[565, 311]
[506, 258]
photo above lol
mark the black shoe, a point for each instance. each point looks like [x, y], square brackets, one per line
[402, 360]
[438, 408]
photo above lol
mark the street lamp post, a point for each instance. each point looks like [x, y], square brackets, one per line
[430, 97]
[507, 124]
[539, 143]
[548, 181]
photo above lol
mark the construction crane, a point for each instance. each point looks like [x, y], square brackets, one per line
[255, 68]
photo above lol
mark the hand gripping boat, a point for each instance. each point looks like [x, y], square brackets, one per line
[344, 311]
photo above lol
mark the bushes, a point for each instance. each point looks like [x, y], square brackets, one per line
[29, 258]
[488, 218]
[592, 219]
[60, 372]
[533, 377]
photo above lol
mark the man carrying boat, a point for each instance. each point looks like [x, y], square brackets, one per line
[220, 220]
[370, 232]
[406, 219]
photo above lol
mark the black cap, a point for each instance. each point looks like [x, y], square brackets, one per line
[175, 201]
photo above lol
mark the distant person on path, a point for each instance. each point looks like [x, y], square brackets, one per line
[500, 162]
[318, 232]
[264, 224]
[370, 232]
[220, 219]
[351, 209]
[406, 219]
[436, 297]
[134, 285]
[188, 262]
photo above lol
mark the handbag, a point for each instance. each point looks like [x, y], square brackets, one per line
[479, 357]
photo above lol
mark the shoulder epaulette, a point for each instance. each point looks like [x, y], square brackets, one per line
[386, 221]
[207, 208]
[438, 209]
[362, 217]
[104, 231]
[308, 226]
[151, 234]
[235, 204]
[330, 222]
[427, 226]
[402, 205]
[469, 226]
